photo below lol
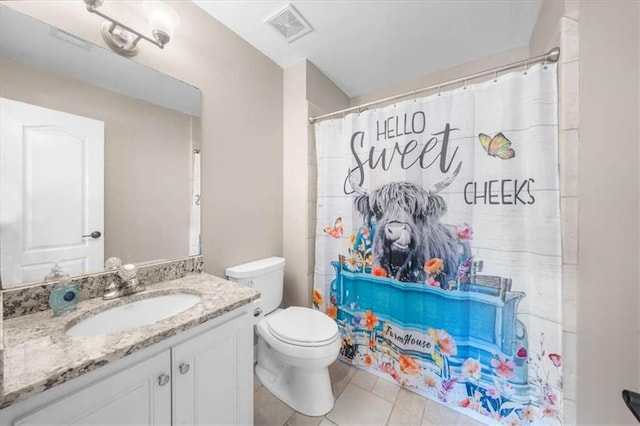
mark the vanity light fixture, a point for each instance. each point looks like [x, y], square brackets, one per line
[123, 39]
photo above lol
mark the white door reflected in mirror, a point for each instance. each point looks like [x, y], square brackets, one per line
[52, 192]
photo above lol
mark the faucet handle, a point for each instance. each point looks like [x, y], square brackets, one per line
[113, 263]
[128, 272]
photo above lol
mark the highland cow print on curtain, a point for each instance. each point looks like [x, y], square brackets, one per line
[438, 247]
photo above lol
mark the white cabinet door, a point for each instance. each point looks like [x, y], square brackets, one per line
[133, 396]
[213, 376]
[52, 192]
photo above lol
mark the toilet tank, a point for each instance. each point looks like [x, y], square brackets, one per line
[265, 275]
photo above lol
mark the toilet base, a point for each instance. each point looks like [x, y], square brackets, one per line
[306, 390]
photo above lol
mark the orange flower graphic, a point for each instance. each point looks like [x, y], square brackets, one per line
[431, 381]
[332, 311]
[445, 342]
[370, 320]
[317, 298]
[549, 411]
[529, 413]
[447, 346]
[472, 368]
[379, 271]
[434, 266]
[367, 360]
[408, 365]
[504, 366]
[465, 403]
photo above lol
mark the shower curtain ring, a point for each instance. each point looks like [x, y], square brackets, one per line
[439, 89]
[414, 96]
[495, 76]
[526, 68]
[465, 85]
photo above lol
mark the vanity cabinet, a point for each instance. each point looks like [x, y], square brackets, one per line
[202, 376]
[134, 396]
[212, 377]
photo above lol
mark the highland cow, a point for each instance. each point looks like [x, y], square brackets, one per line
[408, 229]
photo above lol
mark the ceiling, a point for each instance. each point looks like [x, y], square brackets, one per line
[367, 45]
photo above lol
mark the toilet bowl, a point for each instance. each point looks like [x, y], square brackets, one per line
[295, 345]
[295, 348]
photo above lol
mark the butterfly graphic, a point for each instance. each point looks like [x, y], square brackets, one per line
[336, 230]
[497, 146]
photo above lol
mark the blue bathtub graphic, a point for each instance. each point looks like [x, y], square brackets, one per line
[480, 315]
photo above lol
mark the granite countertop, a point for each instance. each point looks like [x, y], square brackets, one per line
[39, 355]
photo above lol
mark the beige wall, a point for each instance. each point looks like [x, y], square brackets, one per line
[296, 208]
[546, 32]
[608, 309]
[241, 121]
[461, 70]
[306, 92]
[147, 160]
[322, 92]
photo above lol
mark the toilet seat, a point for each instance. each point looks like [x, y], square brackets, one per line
[302, 327]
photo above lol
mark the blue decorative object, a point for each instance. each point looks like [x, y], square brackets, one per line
[65, 296]
[69, 296]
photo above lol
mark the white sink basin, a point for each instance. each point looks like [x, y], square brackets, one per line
[134, 314]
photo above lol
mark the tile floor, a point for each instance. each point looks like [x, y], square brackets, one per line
[361, 399]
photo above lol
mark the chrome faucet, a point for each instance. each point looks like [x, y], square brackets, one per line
[126, 284]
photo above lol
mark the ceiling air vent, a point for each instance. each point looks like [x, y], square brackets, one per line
[289, 23]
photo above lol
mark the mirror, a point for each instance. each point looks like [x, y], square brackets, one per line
[99, 156]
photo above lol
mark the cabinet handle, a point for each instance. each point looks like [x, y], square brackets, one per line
[163, 379]
[183, 368]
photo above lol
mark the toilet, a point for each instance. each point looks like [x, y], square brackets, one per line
[296, 345]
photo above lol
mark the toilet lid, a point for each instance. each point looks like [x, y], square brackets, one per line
[302, 326]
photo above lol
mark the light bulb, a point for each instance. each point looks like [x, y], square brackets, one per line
[163, 20]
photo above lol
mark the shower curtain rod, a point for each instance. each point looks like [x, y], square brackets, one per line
[551, 56]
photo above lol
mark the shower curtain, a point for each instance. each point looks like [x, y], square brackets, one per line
[438, 248]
